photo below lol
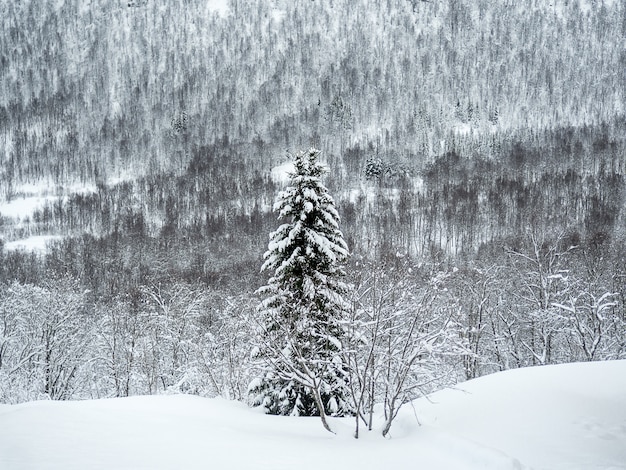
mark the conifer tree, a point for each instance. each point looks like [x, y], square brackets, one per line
[302, 316]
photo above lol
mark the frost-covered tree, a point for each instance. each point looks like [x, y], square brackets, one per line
[405, 340]
[45, 342]
[302, 316]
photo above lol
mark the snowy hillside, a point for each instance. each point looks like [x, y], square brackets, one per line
[555, 417]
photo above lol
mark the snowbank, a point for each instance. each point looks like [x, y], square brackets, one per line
[571, 416]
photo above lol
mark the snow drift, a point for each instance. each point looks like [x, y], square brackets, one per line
[555, 417]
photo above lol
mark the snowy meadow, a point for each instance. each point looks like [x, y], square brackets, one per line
[565, 417]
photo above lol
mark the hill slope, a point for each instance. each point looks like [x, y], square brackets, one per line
[570, 416]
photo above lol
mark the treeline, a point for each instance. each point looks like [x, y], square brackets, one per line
[209, 224]
[568, 180]
[214, 218]
[541, 301]
[60, 341]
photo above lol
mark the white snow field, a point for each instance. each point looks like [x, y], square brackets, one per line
[556, 417]
[36, 243]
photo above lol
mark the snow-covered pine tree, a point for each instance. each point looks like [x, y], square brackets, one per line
[302, 316]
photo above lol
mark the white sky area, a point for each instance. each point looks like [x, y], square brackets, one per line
[555, 417]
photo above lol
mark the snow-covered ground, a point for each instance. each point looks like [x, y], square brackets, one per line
[280, 173]
[219, 6]
[23, 207]
[556, 417]
[37, 243]
[33, 197]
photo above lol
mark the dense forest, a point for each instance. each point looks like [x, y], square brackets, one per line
[476, 153]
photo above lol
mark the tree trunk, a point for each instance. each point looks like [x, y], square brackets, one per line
[320, 407]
